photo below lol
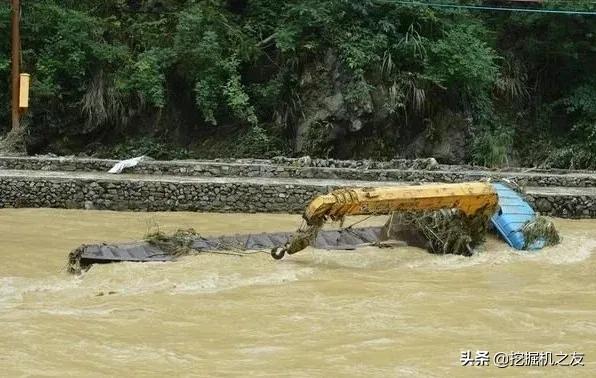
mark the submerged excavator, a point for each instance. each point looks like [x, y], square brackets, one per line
[468, 202]
[442, 218]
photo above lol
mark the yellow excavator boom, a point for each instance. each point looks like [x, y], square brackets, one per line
[471, 199]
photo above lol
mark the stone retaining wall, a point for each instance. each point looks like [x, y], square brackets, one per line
[269, 169]
[154, 195]
[217, 196]
[174, 166]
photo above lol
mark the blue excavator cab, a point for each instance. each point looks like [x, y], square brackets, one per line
[512, 214]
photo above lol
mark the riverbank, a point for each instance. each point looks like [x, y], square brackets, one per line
[282, 185]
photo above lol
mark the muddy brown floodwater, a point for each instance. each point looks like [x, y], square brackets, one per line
[374, 312]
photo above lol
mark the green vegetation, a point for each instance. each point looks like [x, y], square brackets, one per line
[338, 78]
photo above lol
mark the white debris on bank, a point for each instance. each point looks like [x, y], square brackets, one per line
[121, 165]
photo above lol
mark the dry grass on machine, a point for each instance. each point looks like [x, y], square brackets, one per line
[177, 244]
[441, 232]
[540, 228]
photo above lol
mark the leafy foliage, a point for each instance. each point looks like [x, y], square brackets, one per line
[462, 60]
[492, 147]
[107, 70]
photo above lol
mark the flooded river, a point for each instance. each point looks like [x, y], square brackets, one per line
[375, 312]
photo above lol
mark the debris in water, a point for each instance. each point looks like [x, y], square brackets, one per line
[540, 228]
[74, 264]
[177, 244]
[441, 231]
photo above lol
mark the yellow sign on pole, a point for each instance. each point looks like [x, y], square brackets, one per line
[24, 91]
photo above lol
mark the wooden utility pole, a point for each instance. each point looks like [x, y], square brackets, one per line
[16, 63]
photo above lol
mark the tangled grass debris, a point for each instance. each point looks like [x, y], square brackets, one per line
[74, 265]
[540, 228]
[177, 244]
[443, 231]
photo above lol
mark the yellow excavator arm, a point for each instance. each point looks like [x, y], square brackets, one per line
[469, 198]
